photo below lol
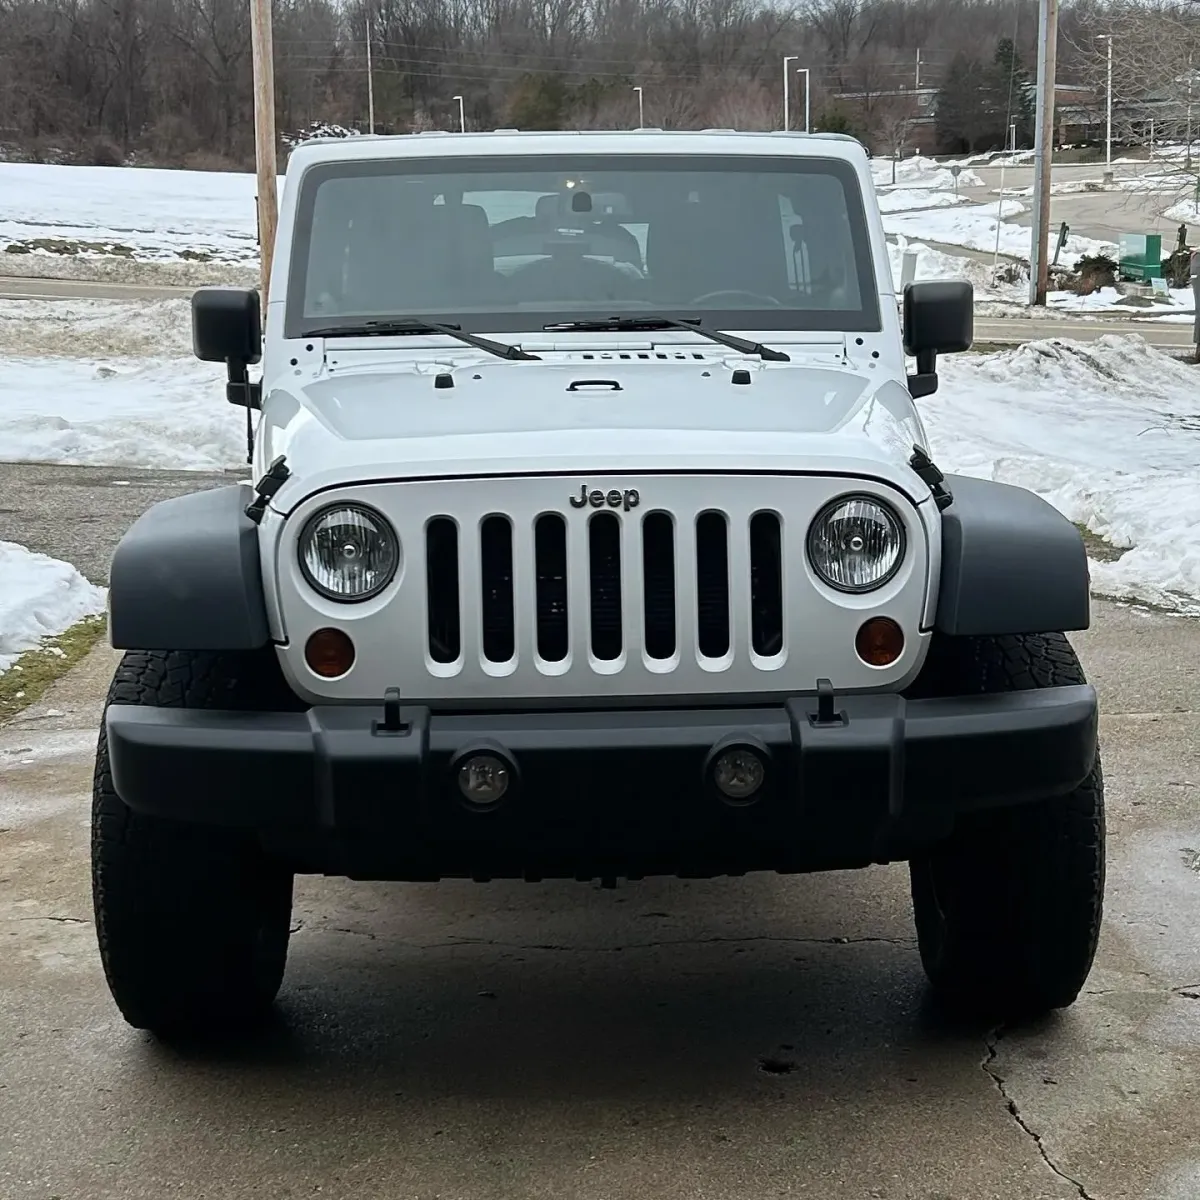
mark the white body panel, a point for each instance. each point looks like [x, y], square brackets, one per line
[361, 419]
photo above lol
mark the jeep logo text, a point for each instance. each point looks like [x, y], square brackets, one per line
[614, 498]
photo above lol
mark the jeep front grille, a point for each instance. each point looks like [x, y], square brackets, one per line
[519, 590]
[676, 557]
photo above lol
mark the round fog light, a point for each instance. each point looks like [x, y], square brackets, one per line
[880, 641]
[483, 780]
[329, 653]
[738, 773]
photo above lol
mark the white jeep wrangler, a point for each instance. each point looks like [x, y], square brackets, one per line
[593, 534]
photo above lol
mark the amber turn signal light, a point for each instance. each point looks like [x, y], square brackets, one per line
[329, 653]
[880, 641]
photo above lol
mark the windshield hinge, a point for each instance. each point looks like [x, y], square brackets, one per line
[276, 476]
[929, 474]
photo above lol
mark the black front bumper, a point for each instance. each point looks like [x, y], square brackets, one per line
[603, 792]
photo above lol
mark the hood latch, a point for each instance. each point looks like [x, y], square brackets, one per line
[925, 469]
[277, 475]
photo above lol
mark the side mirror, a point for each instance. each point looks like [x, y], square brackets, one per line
[227, 327]
[939, 318]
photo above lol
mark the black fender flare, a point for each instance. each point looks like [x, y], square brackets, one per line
[187, 576]
[1011, 563]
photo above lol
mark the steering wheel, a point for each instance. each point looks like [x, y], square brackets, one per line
[770, 300]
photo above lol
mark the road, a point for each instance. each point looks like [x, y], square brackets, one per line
[1105, 215]
[18, 287]
[734, 1040]
[997, 331]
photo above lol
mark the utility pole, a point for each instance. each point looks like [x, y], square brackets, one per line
[263, 62]
[917, 84]
[1043, 151]
[787, 95]
[370, 77]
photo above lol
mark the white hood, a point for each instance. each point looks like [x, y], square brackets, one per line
[388, 420]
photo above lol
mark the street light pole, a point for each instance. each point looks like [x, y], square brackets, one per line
[804, 71]
[462, 120]
[370, 78]
[641, 109]
[787, 95]
[1108, 37]
[263, 66]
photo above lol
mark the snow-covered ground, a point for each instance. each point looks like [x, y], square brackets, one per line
[132, 212]
[168, 413]
[937, 264]
[1177, 305]
[920, 172]
[39, 597]
[983, 227]
[1107, 431]
[906, 199]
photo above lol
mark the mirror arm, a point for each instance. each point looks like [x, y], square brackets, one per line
[239, 390]
[925, 381]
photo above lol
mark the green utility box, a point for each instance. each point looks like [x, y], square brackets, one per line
[1140, 256]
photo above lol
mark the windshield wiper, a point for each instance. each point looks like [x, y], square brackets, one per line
[393, 326]
[743, 345]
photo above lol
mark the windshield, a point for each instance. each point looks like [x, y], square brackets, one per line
[517, 243]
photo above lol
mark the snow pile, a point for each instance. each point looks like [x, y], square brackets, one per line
[902, 199]
[317, 129]
[1184, 210]
[971, 225]
[993, 158]
[1176, 306]
[39, 598]
[936, 264]
[164, 413]
[980, 227]
[920, 172]
[96, 328]
[128, 212]
[1106, 431]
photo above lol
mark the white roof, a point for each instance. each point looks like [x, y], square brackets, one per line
[624, 141]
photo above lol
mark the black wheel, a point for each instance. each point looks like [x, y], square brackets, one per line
[192, 921]
[1008, 908]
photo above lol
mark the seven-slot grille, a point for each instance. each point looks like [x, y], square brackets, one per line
[583, 600]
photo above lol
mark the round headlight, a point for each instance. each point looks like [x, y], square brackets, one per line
[348, 552]
[856, 544]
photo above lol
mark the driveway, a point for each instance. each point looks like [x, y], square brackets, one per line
[740, 1039]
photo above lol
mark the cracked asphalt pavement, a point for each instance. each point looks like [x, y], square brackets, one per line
[731, 1039]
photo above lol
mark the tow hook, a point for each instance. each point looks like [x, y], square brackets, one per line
[826, 714]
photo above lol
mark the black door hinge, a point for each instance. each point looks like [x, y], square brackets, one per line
[277, 475]
[929, 474]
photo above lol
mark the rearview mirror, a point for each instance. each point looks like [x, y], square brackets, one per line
[227, 327]
[939, 318]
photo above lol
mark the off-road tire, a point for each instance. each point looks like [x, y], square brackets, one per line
[192, 921]
[1008, 909]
